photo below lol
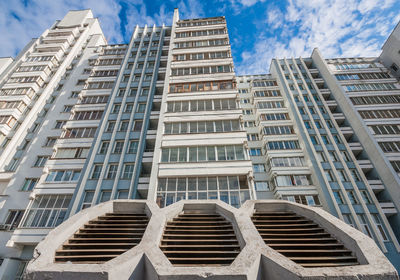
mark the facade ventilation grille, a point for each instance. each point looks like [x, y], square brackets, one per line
[200, 239]
[301, 240]
[103, 238]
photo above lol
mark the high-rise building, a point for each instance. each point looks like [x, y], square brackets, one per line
[164, 118]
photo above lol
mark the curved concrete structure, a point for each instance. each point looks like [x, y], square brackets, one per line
[256, 260]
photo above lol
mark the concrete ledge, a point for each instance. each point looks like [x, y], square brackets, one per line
[255, 261]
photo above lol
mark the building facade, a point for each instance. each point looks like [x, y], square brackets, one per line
[164, 118]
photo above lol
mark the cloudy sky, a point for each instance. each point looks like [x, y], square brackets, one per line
[259, 29]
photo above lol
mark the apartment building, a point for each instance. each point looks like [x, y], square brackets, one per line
[362, 96]
[40, 164]
[200, 148]
[164, 118]
[120, 162]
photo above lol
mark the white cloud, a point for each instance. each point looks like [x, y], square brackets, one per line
[336, 27]
[21, 22]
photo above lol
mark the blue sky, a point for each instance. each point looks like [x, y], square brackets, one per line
[259, 29]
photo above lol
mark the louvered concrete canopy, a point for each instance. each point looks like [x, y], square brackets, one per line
[159, 255]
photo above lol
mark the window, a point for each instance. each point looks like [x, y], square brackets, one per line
[379, 226]
[87, 200]
[87, 115]
[230, 189]
[121, 92]
[116, 108]
[63, 176]
[64, 153]
[365, 196]
[123, 194]
[124, 126]
[67, 108]
[329, 176]
[141, 108]
[352, 197]
[112, 171]
[287, 161]
[342, 175]
[252, 137]
[348, 219]
[345, 155]
[96, 171]
[201, 86]
[338, 197]
[278, 130]
[59, 124]
[128, 108]
[201, 127]
[133, 146]
[21, 270]
[118, 147]
[202, 153]
[137, 125]
[84, 132]
[29, 184]
[110, 126]
[267, 93]
[99, 85]
[283, 145]
[270, 104]
[127, 171]
[396, 165]
[105, 196]
[314, 139]
[13, 218]
[385, 129]
[375, 99]
[333, 156]
[292, 180]
[104, 147]
[325, 139]
[274, 117]
[321, 157]
[145, 91]
[74, 94]
[364, 224]
[47, 211]
[132, 91]
[261, 186]
[40, 161]
[50, 141]
[337, 139]
[370, 87]
[356, 176]
[201, 105]
[258, 167]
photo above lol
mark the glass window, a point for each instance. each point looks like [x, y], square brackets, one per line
[47, 211]
[29, 184]
[96, 171]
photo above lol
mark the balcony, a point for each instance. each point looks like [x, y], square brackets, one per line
[319, 81]
[356, 148]
[365, 165]
[325, 92]
[376, 185]
[388, 208]
[313, 71]
[339, 118]
[332, 104]
[347, 131]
